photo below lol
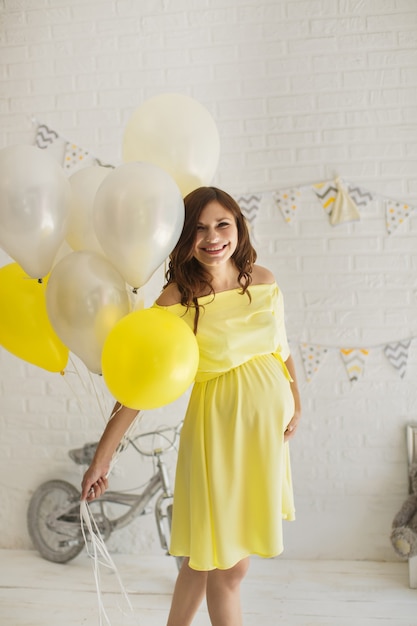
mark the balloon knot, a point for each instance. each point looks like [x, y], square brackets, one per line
[62, 373]
[40, 281]
[135, 289]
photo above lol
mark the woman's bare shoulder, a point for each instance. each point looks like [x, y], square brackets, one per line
[262, 276]
[169, 296]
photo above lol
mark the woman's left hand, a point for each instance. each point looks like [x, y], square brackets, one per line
[292, 426]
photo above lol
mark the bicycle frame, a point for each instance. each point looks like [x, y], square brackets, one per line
[54, 514]
[137, 503]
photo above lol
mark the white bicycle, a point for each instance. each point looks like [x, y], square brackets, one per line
[53, 515]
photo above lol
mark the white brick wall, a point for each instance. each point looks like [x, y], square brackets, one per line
[301, 91]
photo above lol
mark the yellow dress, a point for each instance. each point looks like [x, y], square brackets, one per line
[233, 478]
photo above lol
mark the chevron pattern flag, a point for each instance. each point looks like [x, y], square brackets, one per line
[396, 213]
[397, 354]
[354, 360]
[287, 201]
[337, 202]
[312, 357]
[326, 193]
[360, 196]
[249, 205]
[76, 157]
[45, 136]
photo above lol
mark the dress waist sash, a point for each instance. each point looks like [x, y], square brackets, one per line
[202, 377]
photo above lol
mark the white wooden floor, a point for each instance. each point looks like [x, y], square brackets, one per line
[34, 592]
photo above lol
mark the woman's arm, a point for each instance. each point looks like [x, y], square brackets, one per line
[293, 424]
[95, 482]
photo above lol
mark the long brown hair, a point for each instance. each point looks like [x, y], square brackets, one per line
[191, 278]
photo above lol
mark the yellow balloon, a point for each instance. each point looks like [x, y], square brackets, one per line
[149, 359]
[25, 329]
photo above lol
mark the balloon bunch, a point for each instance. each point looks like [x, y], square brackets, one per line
[119, 225]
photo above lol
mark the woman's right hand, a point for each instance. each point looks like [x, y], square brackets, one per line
[94, 483]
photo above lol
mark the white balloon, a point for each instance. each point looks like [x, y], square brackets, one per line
[84, 184]
[178, 134]
[138, 217]
[85, 297]
[34, 207]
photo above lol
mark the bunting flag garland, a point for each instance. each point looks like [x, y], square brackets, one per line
[312, 357]
[249, 205]
[354, 360]
[287, 201]
[71, 156]
[397, 354]
[45, 136]
[396, 213]
[341, 199]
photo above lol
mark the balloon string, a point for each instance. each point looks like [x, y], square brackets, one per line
[99, 400]
[87, 389]
[125, 437]
[99, 552]
[77, 371]
[75, 394]
[101, 556]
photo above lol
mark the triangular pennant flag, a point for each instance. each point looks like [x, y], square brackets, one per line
[249, 205]
[45, 136]
[354, 360]
[287, 201]
[312, 358]
[396, 213]
[326, 192]
[344, 209]
[397, 354]
[360, 196]
[76, 157]
[337, 202]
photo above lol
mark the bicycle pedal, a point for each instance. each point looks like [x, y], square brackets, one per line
[147, 510]
[69, 543]
[84, 455]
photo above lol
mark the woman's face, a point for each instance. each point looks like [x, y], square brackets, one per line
[217, 236]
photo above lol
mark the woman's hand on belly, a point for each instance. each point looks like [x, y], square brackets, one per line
[292, 426]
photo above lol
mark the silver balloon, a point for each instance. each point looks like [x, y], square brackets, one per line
[34, 207]
[138, 217]
[85, 297]
[84, 184]
[177, 133]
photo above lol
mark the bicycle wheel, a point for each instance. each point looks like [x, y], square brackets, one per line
[178, 559]
[53, 520]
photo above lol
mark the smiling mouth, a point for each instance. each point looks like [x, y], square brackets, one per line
[214, 250]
